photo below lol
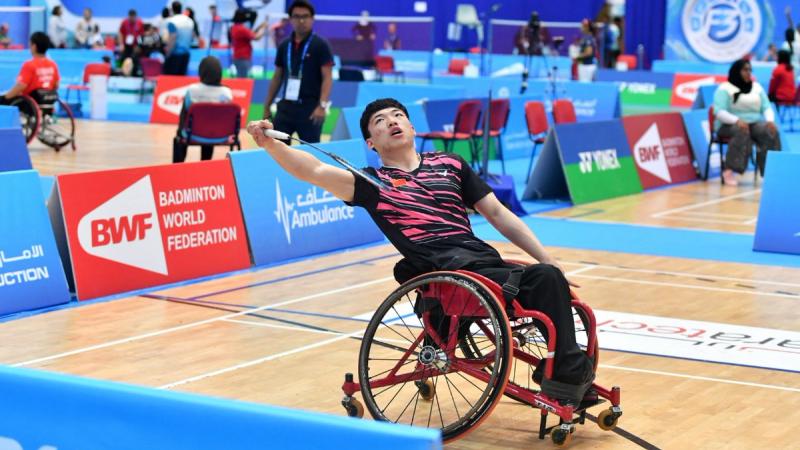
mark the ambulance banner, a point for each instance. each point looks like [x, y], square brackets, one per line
[170, 90]
[134, 228]
[660, 149]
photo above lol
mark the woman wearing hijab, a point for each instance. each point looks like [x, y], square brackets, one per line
[208, 90]
[743, 116]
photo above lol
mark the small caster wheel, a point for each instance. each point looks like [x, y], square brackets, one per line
[607, 420]
[560, 437]
[426, 389]
[355, 409]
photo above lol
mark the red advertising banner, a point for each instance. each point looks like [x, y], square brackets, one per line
[134, 228]
[660, 148]
[686, 85]
[170, 90]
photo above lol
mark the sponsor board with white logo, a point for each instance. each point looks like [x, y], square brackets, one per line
[154, 225]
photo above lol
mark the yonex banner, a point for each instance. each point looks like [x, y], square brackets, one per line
[52, 411]
[660, 149]
[31, 275]
[685, 87]
[696, 125]
[287, 218]
[778, 227]
[588, 169]
[170, 90]
[134, 228]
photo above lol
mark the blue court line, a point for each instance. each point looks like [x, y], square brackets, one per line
[644, 239]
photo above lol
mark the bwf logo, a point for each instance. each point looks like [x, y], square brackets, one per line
[125, 229]
[649, 154]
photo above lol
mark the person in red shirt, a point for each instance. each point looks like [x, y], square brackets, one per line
[38, 72]
[131, 31]
[242, 39]
[782, 85]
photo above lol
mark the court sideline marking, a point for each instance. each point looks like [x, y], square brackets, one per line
[202, 322]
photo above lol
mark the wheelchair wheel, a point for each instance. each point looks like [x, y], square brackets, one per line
[58, 131]
[30, 116]
[530, 336]
[412, 369]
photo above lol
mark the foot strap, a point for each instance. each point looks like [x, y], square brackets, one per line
[564, 391]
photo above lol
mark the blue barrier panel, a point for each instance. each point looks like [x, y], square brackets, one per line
[348, 127]
[593, 101]
[405, 93]
[639, 77]
[479, 86]
[696, 124]
[14, 154]
[778, 226]
[31, 275]
[287, 218]
[344, 93]
[705, 96]
[9, 117]
[50, 410]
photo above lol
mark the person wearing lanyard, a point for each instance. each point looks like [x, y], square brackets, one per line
[303, 65]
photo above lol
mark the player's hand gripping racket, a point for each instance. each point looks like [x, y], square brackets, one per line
[275, 134]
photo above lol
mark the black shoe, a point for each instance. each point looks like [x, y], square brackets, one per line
[538, 373]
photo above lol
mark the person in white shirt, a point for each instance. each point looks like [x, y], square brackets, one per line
[56, 30]
[208, 90]
[85, 29]
[179, 42]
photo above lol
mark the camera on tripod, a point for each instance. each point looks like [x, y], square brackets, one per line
[534, 41]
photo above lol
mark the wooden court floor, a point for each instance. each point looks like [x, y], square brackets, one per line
[286, 335]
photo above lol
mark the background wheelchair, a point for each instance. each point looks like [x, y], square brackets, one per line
[42, 114]
[441, 351]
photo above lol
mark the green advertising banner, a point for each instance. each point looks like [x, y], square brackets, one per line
[585, 161]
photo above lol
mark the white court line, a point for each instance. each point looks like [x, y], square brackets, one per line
[689, 286]
[194, 324]
[700, 205]
[698, 219]
[688, 274]
[259, 360]
[716, 214]
[282, 327]
[695, 377]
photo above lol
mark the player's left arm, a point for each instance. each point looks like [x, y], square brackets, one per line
[513, 228]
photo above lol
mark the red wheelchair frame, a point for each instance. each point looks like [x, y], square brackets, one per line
[39, 120]
[469, 308]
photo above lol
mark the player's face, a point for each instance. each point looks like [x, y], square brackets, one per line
[389, 129]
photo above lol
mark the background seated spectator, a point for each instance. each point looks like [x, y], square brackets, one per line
[364, 30]
[151, 42]
[781, 85]
[392, 41]
[744, 117]
[772, 53]
[5, 40]
[208, 90]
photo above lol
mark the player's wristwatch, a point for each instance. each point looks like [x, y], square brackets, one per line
[326, 105]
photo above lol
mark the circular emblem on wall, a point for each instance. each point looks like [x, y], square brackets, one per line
[721, 30]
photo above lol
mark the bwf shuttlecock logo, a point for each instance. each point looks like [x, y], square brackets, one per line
[125, 229]
[649, 154]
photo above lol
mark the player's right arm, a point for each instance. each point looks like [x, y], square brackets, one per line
[303, 165]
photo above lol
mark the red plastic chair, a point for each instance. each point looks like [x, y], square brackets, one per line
[536, 118]
[457, 65]
[467, 116]
[499, 110]
[384, 64]
[564, 112]
[151, 69]
[88, 70]
[631, 61]
[211, 124]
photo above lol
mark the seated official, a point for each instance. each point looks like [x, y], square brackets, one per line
[208, 90]
[744, 117]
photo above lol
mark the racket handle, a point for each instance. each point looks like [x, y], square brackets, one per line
[275, 134]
